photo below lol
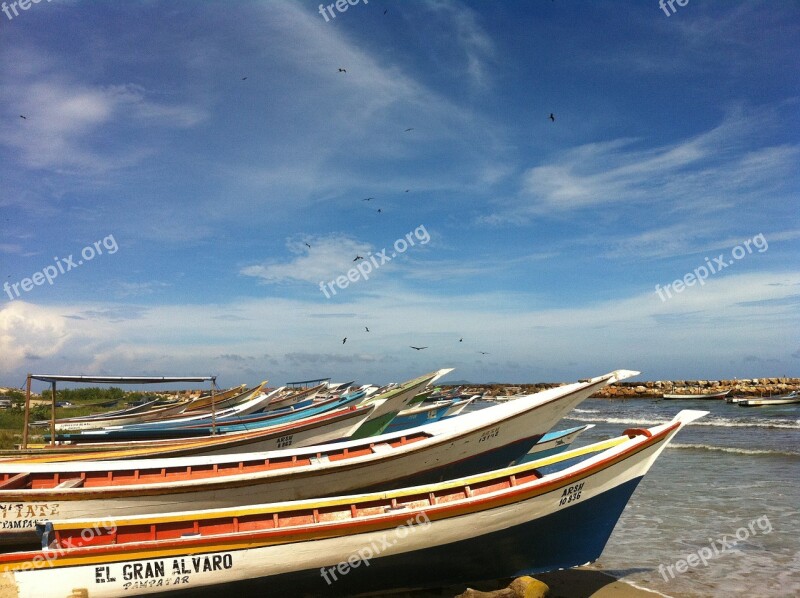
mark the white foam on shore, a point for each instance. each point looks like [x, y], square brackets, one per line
[784, 424]
[640, 588]
[734, 450]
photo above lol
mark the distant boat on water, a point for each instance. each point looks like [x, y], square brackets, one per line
[712, 395]
[787, 399]
[736, 399]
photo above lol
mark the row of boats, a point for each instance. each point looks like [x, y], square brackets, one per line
[790, 398]
[295, 489]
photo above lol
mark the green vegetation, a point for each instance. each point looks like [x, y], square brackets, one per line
[83, 401]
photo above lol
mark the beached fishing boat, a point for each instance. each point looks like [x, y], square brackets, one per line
[247, 402]
[464, 445]
[205, 426]
[327, 427]
[321, 426]
[711, 395]
[218, 399]
[298, 395]
[553, 443]
[791, 398]
[426, 413]
[495, 524]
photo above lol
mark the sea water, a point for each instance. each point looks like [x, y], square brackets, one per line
[735, 471]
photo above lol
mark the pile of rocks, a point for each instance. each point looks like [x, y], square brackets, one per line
[755, 387]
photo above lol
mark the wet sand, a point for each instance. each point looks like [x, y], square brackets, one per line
[574, 583]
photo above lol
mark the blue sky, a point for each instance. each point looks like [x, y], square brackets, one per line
[211, 143]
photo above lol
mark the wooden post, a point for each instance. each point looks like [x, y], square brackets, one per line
[27, 413]
[213, 406]
[53, 416]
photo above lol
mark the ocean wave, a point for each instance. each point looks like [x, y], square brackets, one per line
[780, 424]
[734, 450]
[579, 410]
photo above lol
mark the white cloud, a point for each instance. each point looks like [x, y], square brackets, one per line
[327, 258]
[28, 331]
[696, 332]
[67, 123]
[701, 174]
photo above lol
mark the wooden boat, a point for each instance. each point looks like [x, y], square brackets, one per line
[463, 445]
[223, 400]
[791, 398]
[325, 426]
[553, 443]
[154, 414]
[426, 413]
[491, 525]
[736, 399]
[204, 402]
[297, 396]
[127, 411]
[419, 415]
[712, 395]
[202, 426]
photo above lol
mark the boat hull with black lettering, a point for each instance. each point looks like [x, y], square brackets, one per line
[502, 523]
[468, 444]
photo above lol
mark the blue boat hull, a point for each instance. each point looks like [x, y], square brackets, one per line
[567, 538]
[403, 422]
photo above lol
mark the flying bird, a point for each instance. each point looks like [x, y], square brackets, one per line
[23, 117]
[385, 11]
[244, 78]
[407, 190]
[418, 348]
[461, 340]
[307, 245]
[344, 340]
[358, 257]
[342, 70]
[367, 198]
[552, 117]
[411, 129]
[366, 328]
[380, 211]
[483, 352]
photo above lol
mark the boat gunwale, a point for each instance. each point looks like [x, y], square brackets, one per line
[211, 442]
[238, 480]
[600, 461]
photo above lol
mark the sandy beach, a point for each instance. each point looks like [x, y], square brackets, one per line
[581, 582]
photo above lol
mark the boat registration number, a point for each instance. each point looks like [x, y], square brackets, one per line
[284, 441]
[571, 494]
[489, 434]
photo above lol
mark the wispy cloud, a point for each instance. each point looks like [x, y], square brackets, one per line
[327, 258]
[470, 39]
[67, 122]
[701, 174]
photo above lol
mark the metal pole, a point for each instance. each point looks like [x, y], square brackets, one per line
[27, 413]
[53, 417]
[213, 406]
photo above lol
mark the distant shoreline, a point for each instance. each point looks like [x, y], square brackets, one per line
[754, 387]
